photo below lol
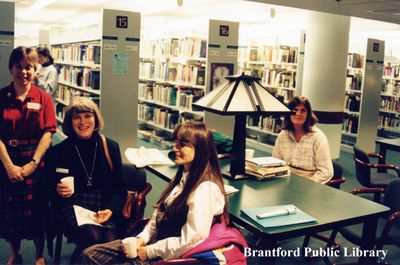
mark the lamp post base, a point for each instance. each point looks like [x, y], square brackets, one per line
[236, 177]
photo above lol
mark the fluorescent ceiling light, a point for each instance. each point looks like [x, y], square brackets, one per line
[38, 5]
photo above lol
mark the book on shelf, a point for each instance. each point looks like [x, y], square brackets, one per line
[281, 215]
[265, 161]
[253, 53]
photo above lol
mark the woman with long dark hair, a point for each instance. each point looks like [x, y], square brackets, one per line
[192, 203]
[302, 145]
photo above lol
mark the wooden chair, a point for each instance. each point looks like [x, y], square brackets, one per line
[388, 228]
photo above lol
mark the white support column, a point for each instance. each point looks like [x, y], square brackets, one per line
[324, 75]
[223, 37]
[120, 76]
[7, 11]
[371, 95]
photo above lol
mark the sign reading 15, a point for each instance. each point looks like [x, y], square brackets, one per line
[122, 22]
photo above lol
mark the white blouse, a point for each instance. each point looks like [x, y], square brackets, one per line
[205, 202]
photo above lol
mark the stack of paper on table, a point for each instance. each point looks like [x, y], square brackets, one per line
[142, 157]
[266, 167]
[299, 217]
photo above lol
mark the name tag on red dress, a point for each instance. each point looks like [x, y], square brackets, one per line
[34, 106]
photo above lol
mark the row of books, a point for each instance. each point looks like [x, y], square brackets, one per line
[79, 76]
[65, 94]
[352, 102]
[278, 78]
[391, 70]
[77, 53]
[178, 47]
[163, 117]
[353, 82]
[390, 87]
[266, 123]
[389, 120]
[181, 97]
[268, 54]
[175, 72]
[355, 60]
[350, 124]
[390, 103]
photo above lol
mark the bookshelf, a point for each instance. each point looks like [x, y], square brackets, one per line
[104, 70]
[275, 65]
[389, 109]
[79, 68]
[171, 77]
[363, 96]
[278, 67]
[353, 93]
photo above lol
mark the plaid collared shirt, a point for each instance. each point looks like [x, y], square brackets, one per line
[308, 158]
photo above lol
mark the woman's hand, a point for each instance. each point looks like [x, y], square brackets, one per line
[142, 253]
[28, 169]
[139, 242]
[63, 190]
[14, 173]
[103, 216]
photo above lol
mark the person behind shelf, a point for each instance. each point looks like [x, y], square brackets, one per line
[47, 76]
[302, 145]
[96, 165]
[193, 204]
[27, 122]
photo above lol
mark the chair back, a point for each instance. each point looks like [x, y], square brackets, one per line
[337, 174]
[363, 171]
[392, 196]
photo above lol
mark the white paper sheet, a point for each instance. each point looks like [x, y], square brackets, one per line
[142, 157]
[84, 216]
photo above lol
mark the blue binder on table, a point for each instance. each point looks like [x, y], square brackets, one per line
[299, 217]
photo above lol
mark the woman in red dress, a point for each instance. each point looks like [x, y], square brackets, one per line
[27, 121]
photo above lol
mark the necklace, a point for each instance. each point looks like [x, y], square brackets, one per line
[88, 176]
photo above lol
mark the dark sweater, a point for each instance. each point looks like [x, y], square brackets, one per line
[62, 160]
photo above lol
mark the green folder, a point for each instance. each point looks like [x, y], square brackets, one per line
[299, 217]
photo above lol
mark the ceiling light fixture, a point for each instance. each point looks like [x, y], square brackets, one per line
[38, 5]
[179, 2]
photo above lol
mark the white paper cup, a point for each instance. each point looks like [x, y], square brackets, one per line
[130, 245]
[249, 153]
[69, 181]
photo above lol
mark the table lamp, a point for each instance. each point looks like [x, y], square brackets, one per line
[239, 96]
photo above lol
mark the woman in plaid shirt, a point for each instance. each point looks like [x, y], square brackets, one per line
[302, 145]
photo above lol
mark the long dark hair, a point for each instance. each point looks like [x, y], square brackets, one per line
[311, 119]
[204, 167]
[44, 51]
